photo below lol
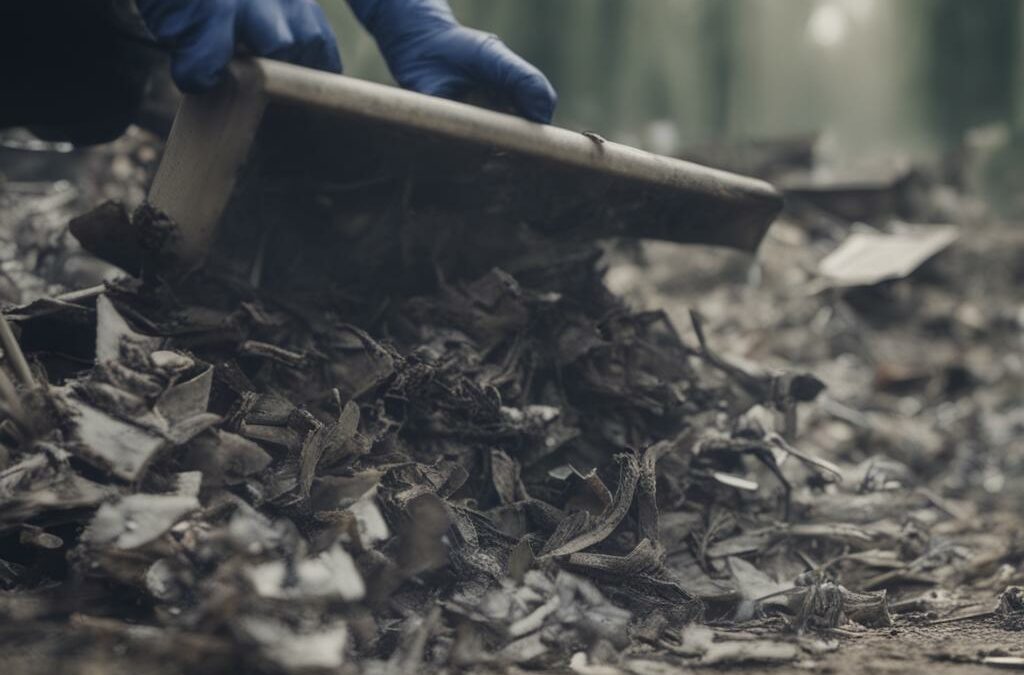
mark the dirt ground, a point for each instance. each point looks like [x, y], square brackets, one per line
[950, 648]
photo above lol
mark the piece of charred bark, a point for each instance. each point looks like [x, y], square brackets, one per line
[1011, 608]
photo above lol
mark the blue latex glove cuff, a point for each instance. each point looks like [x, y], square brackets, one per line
[203, 35]
[430, 52]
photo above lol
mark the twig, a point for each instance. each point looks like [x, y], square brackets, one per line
[905, 573]
[964, 617]
[844, 633]
[822, 465]
[10, 396]
[81, 294]
[844, 412]
[943, 504]
[14, 354]
[63, 301]
[784, 591]
[806, 559]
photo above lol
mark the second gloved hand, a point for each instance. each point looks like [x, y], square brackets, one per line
[430, 52]
[203, 35]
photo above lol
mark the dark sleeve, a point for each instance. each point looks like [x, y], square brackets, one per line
[70, 69]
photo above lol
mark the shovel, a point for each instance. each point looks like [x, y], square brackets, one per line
[285, 173]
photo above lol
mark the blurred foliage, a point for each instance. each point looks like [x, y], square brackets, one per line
[872, 73]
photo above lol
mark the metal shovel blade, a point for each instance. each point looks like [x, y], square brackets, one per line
[282, 159]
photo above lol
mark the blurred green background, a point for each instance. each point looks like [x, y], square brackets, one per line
[876, 76]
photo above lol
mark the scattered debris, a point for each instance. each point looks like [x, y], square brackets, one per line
[868, 258]
[1011, 608]
[516, 469]
[137, 520]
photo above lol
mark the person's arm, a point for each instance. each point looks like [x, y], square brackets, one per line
[77, 69]
[203, 35]
[428, 51]
[66, 72]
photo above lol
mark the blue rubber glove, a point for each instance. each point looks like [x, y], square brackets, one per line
[430, 52]
[203, 35]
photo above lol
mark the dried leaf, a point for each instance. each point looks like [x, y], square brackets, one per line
[136, 520]
[605, 524]
[109, 443]
[332, 574]
[865, 259]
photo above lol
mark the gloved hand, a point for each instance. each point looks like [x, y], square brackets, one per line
[203, 34]
[430, 52]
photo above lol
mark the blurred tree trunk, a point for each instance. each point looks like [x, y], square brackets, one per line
[727, 69]
[973, 63]
[719, 41]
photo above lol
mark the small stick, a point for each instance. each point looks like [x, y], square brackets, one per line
[784, 591]
[10, 396]
[806, 559]
[14, 354]
[885, 577]
[63, 300]
[965, 617]
[943, 504]
[82, 294]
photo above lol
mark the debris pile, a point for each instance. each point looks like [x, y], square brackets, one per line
[513, 470]
[43, 186]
